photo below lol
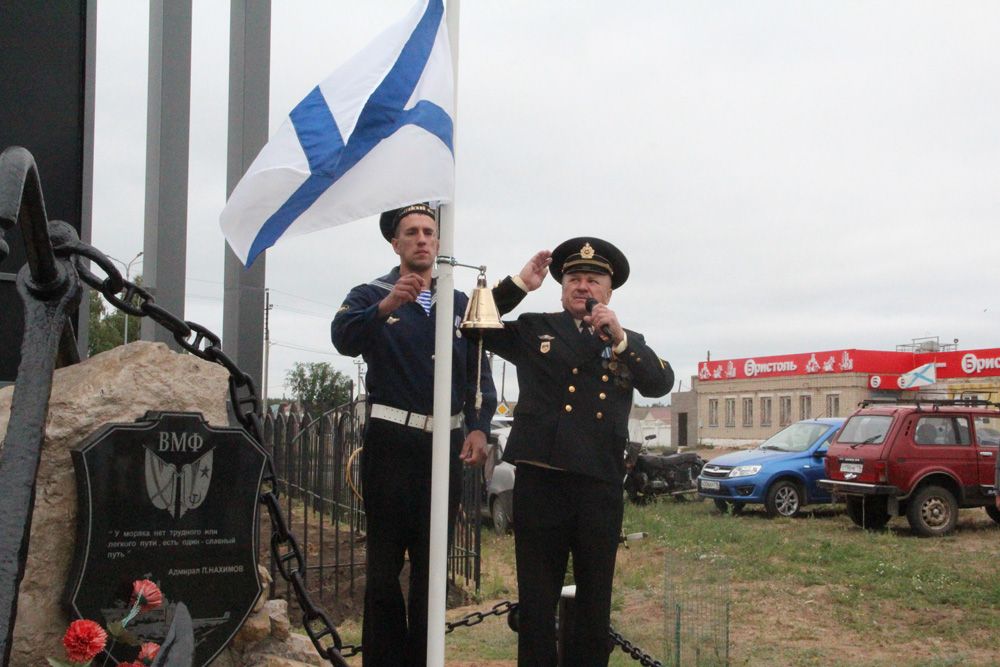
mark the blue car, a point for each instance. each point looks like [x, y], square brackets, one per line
[781, 473]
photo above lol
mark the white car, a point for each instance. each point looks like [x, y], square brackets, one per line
[498, 479]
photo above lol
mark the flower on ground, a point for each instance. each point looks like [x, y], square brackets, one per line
[147, 653]
[83, 640]
[146, 594]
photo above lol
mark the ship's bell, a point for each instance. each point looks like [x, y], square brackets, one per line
[481, 313]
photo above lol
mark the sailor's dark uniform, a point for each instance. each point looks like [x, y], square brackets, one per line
[396, 459]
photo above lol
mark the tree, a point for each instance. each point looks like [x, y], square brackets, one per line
[107, 325]
[318, 386]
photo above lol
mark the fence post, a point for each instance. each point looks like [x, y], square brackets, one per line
[565, 621]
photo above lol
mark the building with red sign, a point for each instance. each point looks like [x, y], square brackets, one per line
[737, 401]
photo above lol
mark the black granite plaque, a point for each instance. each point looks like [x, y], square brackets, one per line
[172, 500]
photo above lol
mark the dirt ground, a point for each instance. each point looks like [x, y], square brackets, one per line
[797, 621]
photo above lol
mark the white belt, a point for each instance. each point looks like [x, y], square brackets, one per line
[412, 419]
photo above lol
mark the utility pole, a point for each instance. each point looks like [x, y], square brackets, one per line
[360, 363]
[128, 271]
[267, 342]
[503, 381]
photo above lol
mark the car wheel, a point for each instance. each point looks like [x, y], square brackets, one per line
[993, 512]
[727, 507]
[783, 499]
[502, 512]
[932, 512]
[868, 513]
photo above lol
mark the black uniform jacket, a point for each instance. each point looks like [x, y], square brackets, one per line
[574, 394]
[399, 351]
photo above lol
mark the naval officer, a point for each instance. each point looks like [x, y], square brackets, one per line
[576, 370]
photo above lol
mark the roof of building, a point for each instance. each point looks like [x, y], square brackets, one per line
[654, 413]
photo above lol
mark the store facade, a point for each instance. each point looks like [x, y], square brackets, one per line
[742, 401]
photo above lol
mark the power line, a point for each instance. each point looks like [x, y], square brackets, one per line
[273, 289]
[325, 316]
[309, 349]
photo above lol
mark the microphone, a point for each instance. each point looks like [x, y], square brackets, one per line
[605, 329]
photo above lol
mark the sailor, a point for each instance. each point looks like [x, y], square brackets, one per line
[390, 322]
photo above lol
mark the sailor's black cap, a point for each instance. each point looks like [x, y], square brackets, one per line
[390, 219]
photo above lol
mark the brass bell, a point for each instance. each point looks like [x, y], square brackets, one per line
[481, 313]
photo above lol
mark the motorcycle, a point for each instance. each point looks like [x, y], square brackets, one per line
[650, 475]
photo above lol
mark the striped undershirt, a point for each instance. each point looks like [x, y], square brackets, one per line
[424, 299]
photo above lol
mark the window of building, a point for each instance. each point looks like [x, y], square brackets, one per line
[784, 410]
[765, 411]
[748, 412]
[805, 407]
[731, 412]
[833, 405]
[713, 412]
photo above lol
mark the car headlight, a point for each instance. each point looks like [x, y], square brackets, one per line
[744, 471]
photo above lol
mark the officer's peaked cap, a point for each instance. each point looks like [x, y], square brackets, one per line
[589, 253]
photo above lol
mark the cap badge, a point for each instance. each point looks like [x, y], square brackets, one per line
[586, 251]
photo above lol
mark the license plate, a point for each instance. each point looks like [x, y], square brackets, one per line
[852, 467]
[709, 484]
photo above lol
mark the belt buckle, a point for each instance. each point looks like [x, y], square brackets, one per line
[417, 421]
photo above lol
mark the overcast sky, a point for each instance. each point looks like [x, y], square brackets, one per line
[783, 176]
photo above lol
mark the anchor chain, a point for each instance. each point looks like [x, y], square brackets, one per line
[202, 343]
[633, 651]
[477, 617]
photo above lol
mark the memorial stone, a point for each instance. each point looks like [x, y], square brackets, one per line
[173, 500]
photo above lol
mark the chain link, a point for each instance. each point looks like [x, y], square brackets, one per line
[285, 550]
[634, 651]
[477, 617]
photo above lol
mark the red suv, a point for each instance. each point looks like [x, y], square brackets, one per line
[921, 458]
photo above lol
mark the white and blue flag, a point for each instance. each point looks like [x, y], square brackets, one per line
[375, 135]
[921, 376]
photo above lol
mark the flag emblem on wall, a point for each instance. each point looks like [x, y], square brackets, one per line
[373, 136]
[921, 376]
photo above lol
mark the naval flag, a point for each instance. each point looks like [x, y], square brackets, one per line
[921, 376]
[375, 135]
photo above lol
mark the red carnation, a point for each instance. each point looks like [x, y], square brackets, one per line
[136, 663]
[83, 640]
[146, 594]
[147, 653]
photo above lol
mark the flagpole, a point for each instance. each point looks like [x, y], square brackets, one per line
[438, 557]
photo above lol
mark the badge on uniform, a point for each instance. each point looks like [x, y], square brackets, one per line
[546, 343]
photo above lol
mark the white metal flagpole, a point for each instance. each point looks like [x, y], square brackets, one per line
[438, 557]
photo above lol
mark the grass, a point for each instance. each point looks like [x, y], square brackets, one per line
[813, 590]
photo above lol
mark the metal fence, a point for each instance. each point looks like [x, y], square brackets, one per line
[318, 470]
[697, 601]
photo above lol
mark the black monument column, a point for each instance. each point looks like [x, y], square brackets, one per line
[47, 108]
